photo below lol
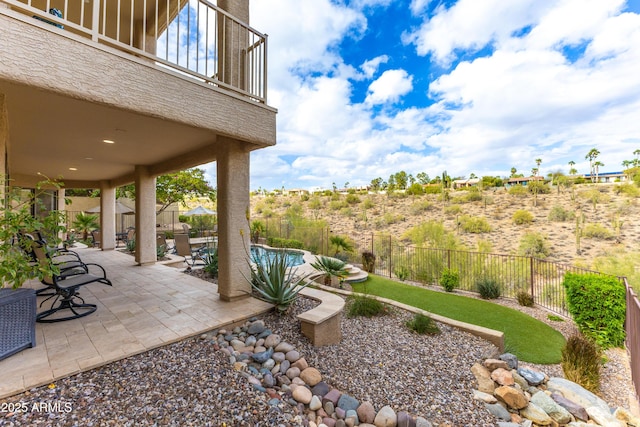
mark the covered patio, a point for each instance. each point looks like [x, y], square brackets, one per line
[147, 307]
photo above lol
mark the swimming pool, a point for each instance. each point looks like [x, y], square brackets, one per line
[259, 253]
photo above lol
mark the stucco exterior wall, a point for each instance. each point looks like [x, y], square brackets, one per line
[62, 62]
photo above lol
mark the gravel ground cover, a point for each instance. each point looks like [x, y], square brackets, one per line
[188, 383]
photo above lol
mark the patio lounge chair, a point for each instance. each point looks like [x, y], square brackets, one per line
[161, 240]
[191, 255]
[66, 290]
[67, 262]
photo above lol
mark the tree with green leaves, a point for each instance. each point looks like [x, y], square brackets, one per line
[85, 223]
[176, 188]
[592, 155]
[572, 170]
[15, 216]
[376, 184]
[401, 180]
[340, 244]
[423, 178]
[513, 172]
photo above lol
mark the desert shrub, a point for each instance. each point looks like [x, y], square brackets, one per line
[538, 187]
[449, 279]
[597, 305]
[304, 197]
[415, 189]
[362, 305]
[402, 272]
[484, 246]
[347, 212]
[211, 263]
[368, 262]
[352, 199]
[422, 324]
[274, 281]
[581, 362]
[597, 231]
[525, 299]
[390, 218]
[336, 205]
[161, 251]
[419, 207]
[473, 195]
[488, 288]
[368, 203]
[627, 189]
[522, 217]
[453, 210]
[474, 224]
[278, 242]
[518, 190]
[560, 214]
[534, 245]
[431, 234]
[270, 200]
[432, 189]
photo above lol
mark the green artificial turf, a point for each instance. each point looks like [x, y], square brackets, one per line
[529, 339]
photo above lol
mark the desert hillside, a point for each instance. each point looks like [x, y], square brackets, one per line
[615, 216]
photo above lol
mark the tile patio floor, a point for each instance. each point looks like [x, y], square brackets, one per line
[147, 307]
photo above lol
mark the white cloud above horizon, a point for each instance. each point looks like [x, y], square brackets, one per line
[479, 87]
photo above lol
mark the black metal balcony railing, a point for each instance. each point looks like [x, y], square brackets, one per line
[192, 37]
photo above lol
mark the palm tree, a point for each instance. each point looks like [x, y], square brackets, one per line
[85, 223]
[597, 165]
[592, 155]
[538, 162]
[513, 172]
[572, 170]
[330, 267]
[340, 244]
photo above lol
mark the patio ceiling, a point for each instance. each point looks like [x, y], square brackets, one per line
[50, 133]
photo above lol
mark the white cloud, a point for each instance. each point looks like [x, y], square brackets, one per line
[389, 87]
[473, 24]
[521, 101]
[418, 6]
[370, 67]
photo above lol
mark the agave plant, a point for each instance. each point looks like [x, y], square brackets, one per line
[275, 281]
[331, 267]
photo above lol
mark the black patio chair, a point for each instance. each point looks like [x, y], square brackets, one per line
[67, 262]
[66, 287]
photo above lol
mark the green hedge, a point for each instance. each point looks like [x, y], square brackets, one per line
[597, 305]
[277, 242]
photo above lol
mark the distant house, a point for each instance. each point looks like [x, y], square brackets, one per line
[607, 176]
[461, 183]
[296, 192]
[523, 180]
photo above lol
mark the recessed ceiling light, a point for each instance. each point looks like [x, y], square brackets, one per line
[73, 169]
[108, 141]
[88, 158]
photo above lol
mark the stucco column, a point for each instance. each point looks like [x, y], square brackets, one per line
[145, 216]
[233, 225]
[107, 217]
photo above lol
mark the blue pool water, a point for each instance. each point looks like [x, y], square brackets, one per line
[293, 257]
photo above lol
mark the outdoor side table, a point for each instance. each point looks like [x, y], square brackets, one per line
[17, 320]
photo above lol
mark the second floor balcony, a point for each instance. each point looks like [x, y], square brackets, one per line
[195, 38]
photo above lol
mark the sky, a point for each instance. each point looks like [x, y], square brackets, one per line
[368, 88]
